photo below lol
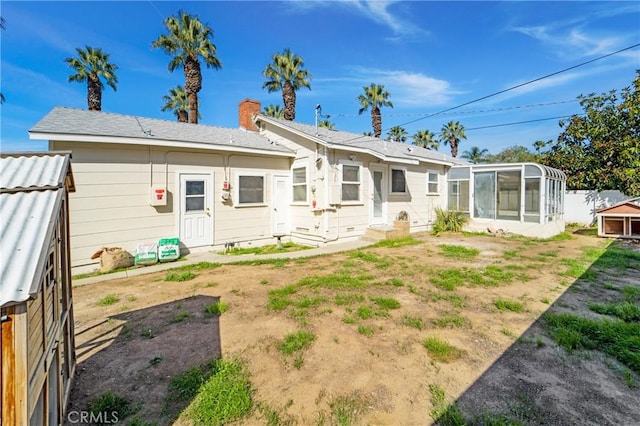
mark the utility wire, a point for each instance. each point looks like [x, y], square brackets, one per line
[513, 87]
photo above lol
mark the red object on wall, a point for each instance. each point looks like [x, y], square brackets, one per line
[225, 185]
[313, 204]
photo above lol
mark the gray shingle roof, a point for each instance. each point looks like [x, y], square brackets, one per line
[379, 146]
[70, 121]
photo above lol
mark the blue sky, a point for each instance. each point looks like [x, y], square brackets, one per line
[430, 56]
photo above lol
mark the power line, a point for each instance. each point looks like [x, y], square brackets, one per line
[513, 87]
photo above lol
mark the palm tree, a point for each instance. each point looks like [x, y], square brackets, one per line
[91, 65]
[285, 73]
[367, 134]
[426, 139]
[188, 40]
[397, 134]
[177, 101]
[451, 133]
[476, 155]
[273, 111]
[538, 145]
[326, 124]
[374, 97]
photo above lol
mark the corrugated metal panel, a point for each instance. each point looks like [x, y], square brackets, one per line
[27, 224]
[32, 171]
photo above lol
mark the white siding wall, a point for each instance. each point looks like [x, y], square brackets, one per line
[113, 183]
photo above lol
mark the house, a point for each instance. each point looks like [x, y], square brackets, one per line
[141, 179]
[520, 198]
[621, 220]
[37, 354]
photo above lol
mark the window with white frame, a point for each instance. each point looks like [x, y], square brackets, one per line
[351, 182]
[299, 183]
[432, 182]
[250, 189]
[398, 181]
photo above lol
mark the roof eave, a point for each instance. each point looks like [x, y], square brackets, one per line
[156, 142]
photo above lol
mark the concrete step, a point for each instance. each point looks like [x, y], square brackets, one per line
[379, 233]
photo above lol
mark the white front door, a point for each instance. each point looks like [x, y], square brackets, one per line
[378, 195]
[196, 220]
[280, 203]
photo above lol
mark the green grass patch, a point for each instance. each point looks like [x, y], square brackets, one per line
[200, 266]
[180, 316]
[451, 321]
[268, 249]
[396, 242]
[458, 252]
[297, 341]
[364, 312]
[176, 276]
[411, 321]
[616, 338]
[366, 330]
[348, 299]
[280, 298]
[626, 311]
[216, 308]
[278, 263]
[443, 413]
[508, 305]
[441, 350]
[225, 397]
[309, 302]
[336, 281]
[386, 302]
[108, 402]
[631, 294]
[109, 299]
[184, 386]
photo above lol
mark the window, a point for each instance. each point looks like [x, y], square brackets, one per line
[459, 195]
[432, 182]
[398, 181]
[351, 182]
[299, 184]
[250, 189]
[194, 197]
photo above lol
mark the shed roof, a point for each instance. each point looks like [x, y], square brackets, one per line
[377, 147]
[630, 206]
[31, 191]
[73, 124]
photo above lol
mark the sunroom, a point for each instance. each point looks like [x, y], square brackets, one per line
[519, 198]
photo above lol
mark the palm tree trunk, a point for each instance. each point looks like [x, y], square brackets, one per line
[94, 93]
[183, 117]
[454, 147]
[193, 84]
[376, 121]
[289, 100]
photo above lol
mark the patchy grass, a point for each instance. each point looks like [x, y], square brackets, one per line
[366, 330]
[224, 398]
[458, 252]
[267, 249]
[441, 350]
[451, 321]
[180, 316]
[109, 299]
[116, 406]
[179, 276]
[508, 305]
[386, 302]
[396, 242]
[297, 341]
[414, 322]
[216, 308]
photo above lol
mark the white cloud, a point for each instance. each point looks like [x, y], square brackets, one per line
[572, 41]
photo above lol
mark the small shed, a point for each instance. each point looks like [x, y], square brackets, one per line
[37, 351]
[621, 220]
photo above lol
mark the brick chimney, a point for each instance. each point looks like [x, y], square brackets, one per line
[246, 110]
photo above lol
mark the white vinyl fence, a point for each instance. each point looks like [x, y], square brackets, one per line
[581, 206]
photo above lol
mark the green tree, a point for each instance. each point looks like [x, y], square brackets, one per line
[326, 124]
[513, 154]
[374, 97]
[426, 139]
[475, 155]
[452, 133]
[540, 145]
[92, 66]
[177, 101]
[397, 134]
[600, 149]
[367, 134]
[285, 73]
[274, 111]
[187, 41]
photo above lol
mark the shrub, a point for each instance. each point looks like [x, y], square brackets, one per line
[449, 220]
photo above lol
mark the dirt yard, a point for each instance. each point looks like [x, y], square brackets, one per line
[507, 364]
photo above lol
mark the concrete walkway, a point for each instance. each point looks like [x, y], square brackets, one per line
[220, 258]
